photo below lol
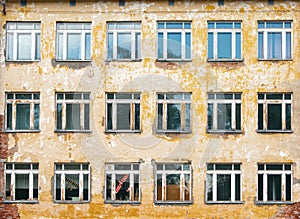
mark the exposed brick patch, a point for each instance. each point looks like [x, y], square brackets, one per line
[289, 211]
[7, 211]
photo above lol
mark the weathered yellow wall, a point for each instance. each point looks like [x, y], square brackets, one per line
[148, 76]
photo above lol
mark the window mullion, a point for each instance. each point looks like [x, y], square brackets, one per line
[283, 44]
[63, 116]
[164, 187]
[82, 116]
[131, 187]
[14, 115]
[113, 186]
[165, 116]
[15, 46]
[82, 47]
[233, 43]
[32, 56]
[283, 186]
[182, 116]
[80, 186]
[183, 45]
[214, 187]
[62, 186]
[133, 44]
[31, 112]
[13, 186]
[114, 115]
[132, 113]
[215, 116]
[265, 44]
[30, 186]
[115, 44]
[232, 183]
[265, 115]
[233, 115]
[283, 115]
[265, 187]
[215, 38]
[65, 43]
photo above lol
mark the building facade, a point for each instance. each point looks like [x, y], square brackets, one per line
[150, 109]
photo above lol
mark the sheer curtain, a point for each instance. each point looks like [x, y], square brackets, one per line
[275, 45]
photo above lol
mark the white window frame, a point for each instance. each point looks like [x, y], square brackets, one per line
[233, 31]
[114, 29]
[213, 98]
[133, 101]
[182, 31]
[82, 101]
[62, 28]
[283, 102]
[15, 28]
[283, 174]
[110, 169]
[63, 173]
[186, 100]
[283, 31]
[13, 171]
[233, 172]
[183, 188]
[11, 99]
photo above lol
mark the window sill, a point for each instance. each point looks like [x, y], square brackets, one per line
[21, 202]
[73, 131]
[225, 60]
[79, 60]
[124, 60]
[173, 60]
[122, 131]
[173, 202]
[275, 131]
[223, 132]
[268, 60]
[22, 131]
[173, 132]
[22, 61]
[71, 202]
[274, 202]
[122, 202]
[224, 202]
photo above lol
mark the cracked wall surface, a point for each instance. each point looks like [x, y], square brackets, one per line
[150, 76]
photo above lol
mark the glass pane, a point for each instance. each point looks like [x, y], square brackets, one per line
[210, 25]
[87, 46]
[8, 187]
[72, 166]
[223, 187]
[160, 116]
[59, 116]
[108, 187]
[237, 25]
[136, 187]
[237, 187]
[138, 45]
[9, 116]
[22, 166]
[73, 96]
[174, 25]
[187, 189]
[274, 24]
[86, 116]
[173, 167]
[223, 166]
[173, 187]
[174, 45]
[21, 186]
[260, 187]
[174, 96]
[124, 46]
[122, 166]
[260, 117]
[288, 188]
[261, 24]
[187, 117]
[35, 186]
[274, 45]
[224, 25]
[260, 45]
[287, 24]
[124, 96]
[238, 46]
[72, 187]
[10, 46]
[60, 48]
[274, 116]
[73, 46]
[123, 116]
[73, 116]
[24, 46]
[159, 187]
[36, 121]
[274, 167]
[23, 117]
[209, 187]
[174, 117]
[37, 46]
[274, 187]
[137, 116]
[224, 116]
[288, 116]
[238, 116]
[188, 45]
[122, 187]
[109, 116]
[288, 46]
[224, 46]
[58, 187]
[125, 25]
[261, 96]
[110, 46]
[160, 45]
[85, 187]
[274, 96]
[160, 25]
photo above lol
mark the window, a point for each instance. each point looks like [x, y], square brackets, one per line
[21, 182]
[224, 112]
[274, 183]
[22, 112]
[274, 112]
[122, 182]
[174, 40]
[72, 111]
[124, 40]
[73, 42]
[23, 41]
[72, 182]
[223, 183]
[174, 112]
[173, 183]
[274, 40]
[123, 112]
[225, 41]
